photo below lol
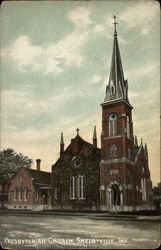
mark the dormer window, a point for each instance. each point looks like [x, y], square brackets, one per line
[112, 90]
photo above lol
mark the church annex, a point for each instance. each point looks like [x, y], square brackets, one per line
[86, 177]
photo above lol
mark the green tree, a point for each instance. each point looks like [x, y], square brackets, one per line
[10, 163]
[157, 196]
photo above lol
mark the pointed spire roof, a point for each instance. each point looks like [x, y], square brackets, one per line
[61, 139]
[136, 141]
[116, 70]
[94, 134]
[141, 143]
[117, 86]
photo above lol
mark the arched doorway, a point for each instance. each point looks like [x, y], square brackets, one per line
[115, 195]
[45, 198]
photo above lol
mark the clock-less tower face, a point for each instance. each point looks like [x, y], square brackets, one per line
[76, 162]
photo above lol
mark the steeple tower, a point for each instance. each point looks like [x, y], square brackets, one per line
[117, 135]
[117, 87]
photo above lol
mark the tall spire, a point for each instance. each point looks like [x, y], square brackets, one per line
[61, 143]
[94, 138]
[136, 141]
[117, 86]
[146, 150]
[115, 23]
[61, 139]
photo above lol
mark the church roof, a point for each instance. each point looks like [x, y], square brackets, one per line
[79, 139]
[79, 142]
[40, 177]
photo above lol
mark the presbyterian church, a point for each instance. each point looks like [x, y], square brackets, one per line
[116, 175]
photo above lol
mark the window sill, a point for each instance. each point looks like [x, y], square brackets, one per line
[111, 137]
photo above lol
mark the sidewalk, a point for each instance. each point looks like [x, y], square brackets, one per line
[92, 215]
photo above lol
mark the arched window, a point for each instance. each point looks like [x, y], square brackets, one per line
[112, 90]
[55, 193]
[112, 125]
[129, 153]
[143, 188]
[20, 194]
[25, 193]
[81, 187]
[142, 167]
[16, 193]
[36, 194]
[128, 127]
[73, 187]
[113, 151]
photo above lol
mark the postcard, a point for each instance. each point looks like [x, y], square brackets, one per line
[80, 125]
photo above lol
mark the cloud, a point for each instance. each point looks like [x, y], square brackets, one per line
[142, 12]
[103, 29]
[145, 31]
[19, 106]
[20, 101]
[23, 53]
[95, 79]
[69, 49]
[26, 57]
[99, 28]
[143, 71]
[80, 17]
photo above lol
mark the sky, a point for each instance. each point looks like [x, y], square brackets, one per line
[55, 63]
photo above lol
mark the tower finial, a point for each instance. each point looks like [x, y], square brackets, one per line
[136, 141]
[115, 23]
[61, 139]
[61, 144]
[94, 133]
[77, 130]
[141, 141]
[94, 138]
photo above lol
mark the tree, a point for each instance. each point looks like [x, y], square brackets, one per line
[157, 196]
[10, 163]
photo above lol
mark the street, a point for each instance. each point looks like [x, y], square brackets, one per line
[57, 231]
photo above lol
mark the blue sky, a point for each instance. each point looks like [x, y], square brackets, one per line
[55, 66]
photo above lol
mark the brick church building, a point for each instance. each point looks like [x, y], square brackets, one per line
[30, 189]
[116, 176]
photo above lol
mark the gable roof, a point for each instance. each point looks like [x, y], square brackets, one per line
[41, 177]
[80, 140]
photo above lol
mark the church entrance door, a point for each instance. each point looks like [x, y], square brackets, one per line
[115, 195]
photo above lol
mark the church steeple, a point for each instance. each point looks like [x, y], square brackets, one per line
[117, 87]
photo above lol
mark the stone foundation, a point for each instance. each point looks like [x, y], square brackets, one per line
[30, 207]
[127, 208]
